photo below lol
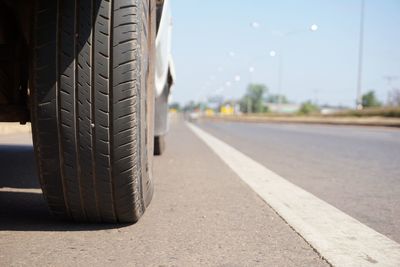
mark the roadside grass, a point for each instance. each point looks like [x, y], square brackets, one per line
[390, 112]
[368, 117]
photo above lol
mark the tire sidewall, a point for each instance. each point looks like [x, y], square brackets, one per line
[148, 99]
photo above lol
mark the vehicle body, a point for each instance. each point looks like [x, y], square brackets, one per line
[164, 76]
[93, 77]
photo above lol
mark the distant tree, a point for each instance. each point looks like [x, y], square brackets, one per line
[277, 99]
[245, 104]
[175, 105]
[308, 108]
[370, 100]
[191, 106]
[253, 101]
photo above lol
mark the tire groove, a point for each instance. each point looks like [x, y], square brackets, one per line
[58, 111]
[111, 95]
[76, 106]
[93, 108]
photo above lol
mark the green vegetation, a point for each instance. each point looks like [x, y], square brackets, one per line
[253, 101]
[277, 99]
[192, 106]
[370, 100]
[391, 112]
[308, 108]
[256, 97]
[175, 106]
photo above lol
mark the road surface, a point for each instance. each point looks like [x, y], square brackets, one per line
[203, 214]
[356, 169]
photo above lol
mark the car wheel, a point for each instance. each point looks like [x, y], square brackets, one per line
[93, 106]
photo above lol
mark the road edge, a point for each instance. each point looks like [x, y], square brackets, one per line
[349, 243]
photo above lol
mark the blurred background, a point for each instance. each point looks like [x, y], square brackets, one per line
[291, 57]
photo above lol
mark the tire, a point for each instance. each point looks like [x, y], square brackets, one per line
[159, 145]
[93, 107]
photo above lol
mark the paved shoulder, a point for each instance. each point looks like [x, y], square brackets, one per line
[202, 214]
[347, 243]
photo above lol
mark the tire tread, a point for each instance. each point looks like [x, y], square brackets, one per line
[86, 107]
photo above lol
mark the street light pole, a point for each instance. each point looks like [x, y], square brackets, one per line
[249, 101]
[360, 58]
[280, 71]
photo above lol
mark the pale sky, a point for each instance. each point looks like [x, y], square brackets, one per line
[213, 42]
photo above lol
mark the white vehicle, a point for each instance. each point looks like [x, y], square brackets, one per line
[93, 77]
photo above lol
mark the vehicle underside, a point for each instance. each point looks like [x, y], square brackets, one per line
[14, 60]
[15, 37]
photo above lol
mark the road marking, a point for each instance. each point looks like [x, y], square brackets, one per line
[20, 190]
[339, 238]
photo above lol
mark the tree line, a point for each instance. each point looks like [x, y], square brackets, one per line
[257, 95]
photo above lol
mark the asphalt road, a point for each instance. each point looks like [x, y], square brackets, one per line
[356, 169]
[202, 214]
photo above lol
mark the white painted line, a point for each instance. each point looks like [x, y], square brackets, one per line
[339, 238]
[21, 190]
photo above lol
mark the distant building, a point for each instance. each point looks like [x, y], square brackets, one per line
[227, 110]
[209, 112]
[328, 110]
[283, 108]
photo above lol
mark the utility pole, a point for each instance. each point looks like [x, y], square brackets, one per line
[249, 100]
[280, 71]
[389, 79]
[360, 58]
